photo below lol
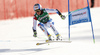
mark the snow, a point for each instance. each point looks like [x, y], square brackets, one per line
[16, 37]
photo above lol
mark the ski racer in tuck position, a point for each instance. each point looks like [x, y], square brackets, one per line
[41, 14]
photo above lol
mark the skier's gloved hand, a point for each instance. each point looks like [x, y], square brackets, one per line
[62, 16]
[35, 34]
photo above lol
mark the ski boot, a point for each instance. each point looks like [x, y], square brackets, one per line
[58, 37]
[49, 38]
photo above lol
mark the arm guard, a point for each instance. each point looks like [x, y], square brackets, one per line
[58, 12]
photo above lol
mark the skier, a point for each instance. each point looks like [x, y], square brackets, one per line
[41, 14]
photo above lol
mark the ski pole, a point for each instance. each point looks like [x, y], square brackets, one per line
[73, 11]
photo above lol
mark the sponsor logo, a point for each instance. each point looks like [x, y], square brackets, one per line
[36, 7]
[40, 18]
[79, 14]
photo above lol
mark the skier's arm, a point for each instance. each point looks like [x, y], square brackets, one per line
[34, 26]
[55, 11]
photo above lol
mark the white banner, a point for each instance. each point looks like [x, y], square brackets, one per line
[79, 16]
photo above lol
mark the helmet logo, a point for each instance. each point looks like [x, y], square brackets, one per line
[36, 7]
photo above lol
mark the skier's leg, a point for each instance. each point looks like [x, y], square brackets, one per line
[51, 25]
[42, 27]
[55, 31]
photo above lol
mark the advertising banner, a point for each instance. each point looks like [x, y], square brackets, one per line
[80, 16]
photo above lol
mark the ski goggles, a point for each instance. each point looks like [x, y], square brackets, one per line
[37, 10]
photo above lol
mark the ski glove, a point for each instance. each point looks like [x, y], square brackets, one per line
[35, 33]
[62, 16]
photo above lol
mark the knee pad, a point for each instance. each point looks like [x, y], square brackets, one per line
[40, 24]
[51, 21]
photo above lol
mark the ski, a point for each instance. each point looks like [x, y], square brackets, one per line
[41, 43]
[47, 42]
[58, 41]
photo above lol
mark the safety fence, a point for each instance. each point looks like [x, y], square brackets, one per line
[10, 9]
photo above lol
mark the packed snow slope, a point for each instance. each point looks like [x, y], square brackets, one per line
[16, 37]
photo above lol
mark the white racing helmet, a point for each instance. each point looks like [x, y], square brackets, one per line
[37, 7]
